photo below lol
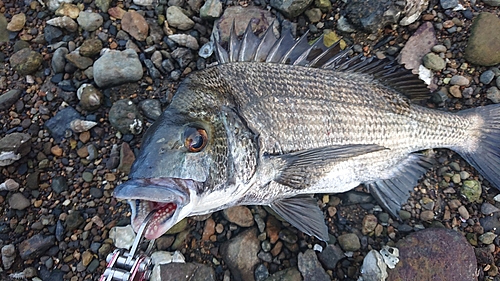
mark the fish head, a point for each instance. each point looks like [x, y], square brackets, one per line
[184, 157]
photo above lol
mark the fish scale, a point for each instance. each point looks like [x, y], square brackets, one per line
[305, 119]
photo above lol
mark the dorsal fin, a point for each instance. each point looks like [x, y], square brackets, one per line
[287, 50]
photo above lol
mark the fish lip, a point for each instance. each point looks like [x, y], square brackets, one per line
[165, 195]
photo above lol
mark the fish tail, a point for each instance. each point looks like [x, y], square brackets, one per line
[485, 156]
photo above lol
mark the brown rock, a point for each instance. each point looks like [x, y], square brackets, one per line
[240, 215]
[90, 47]
[434, 254]
[273, 227]
[240, 254]
[427, 215]
[79, 61]
[209, 229]
[116, 12]
[127, 157]
[418, 45]
[26, 61]
[56, 150]
[84, 136]
[17, 22]
[69, 10]
[135, 24]
[369, 223]
[82, 152]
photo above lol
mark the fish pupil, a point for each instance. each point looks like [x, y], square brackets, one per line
[196, 139]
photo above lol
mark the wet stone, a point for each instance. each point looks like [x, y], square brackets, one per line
[471, 189]
[127, 158]
[125, 117]
[488, 209]
[330, 256]
[482, 47]
[310, 267]
[434, 62]
[8, 98]
[87, 176]
[58, 124]
[35, 246]
[90, 47]
[430, 249]
[151, 108]
[240, 215]
[287, 236]
[73, 220]
[240, 254]
[493, 94]
[135, 25]
[89, 21]
[261, 272]
[114, 68]
[17, 201]
[487, 238]
[26, 61]
[186, 272]
[349, 242]
[486, 77]
[59, 184]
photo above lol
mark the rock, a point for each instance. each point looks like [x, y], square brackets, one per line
[186, 272]
[52, 34]
[289, 274]
[35, 246]
[26, 61]
[372, 15]
[103, 5]
[16, 22]
[240, 254]
[127, 158]
[212, 9]
[487, 238]
[494, 3]
[8, 98]
[125, 117]
[240, 215]
[369, 223]
[493, 94]
[471, 189]
[117, 67]
[8, 256]
[486, 77]
[459, 80]
[310, 267]
[135, 25]
[17, 201]
[122, 236]
[463, 212]
[434, 62]
[488, 209]
[374, 267]
[349, 242]
[4, 33]
[9, 185]
[73, 220]
[89, 21]
[427, 215]
[314, 15]
[79, 61]
[144, 2]
[90, 47]
[58, 62]
[59, 184]
[291, 8]
[430, 249]
[69, 10]
[13, 147]
[241, 17]
[176, 18]
[61, 122]
[448, 4]
[151, 108]
[491, 223]
[482, 46]
[330, 256]
[324, 5]
[116, 12]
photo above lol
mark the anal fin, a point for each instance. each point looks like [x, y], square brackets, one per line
[304, 213]
[392, 192]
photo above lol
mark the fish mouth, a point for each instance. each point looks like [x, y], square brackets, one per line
[166, 196]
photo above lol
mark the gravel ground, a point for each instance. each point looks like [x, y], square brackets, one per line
[80, 82]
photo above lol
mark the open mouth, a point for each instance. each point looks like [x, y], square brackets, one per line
[165, 196]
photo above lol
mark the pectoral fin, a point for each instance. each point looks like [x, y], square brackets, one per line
[392, 192]
[301, 168]
[303, 213]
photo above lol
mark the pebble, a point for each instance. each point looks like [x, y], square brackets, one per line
[135, 24]
[35, 246]
[487, 238]
[427, 215]
[310, 267]
[240, 215]
[463, 212]
[8, 256]
[87, 176]
[26, 61]
[125, 117]
[176, 18]
[434, 62]
[114, 68]
[471, 189]
[122, 236]
[486, 77]
[488, 209]
[61, 122]
[90, 21]
[183, 272]
[455, 91]
[290, 8]
[17, 201]
[369, 223]
[240, 254]
[349, 242]
[482, 47]
[16, 22]
[439, 48]
[59, 60]
[330, 256]
[151, 108]
[459, 80]
[497, 81]
[126, 159]
[90, 47]
[493, 94]
[59, 184]
[7, 99]
[79, 61]
[211, 10]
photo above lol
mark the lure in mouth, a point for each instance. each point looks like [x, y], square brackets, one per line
[165, 196]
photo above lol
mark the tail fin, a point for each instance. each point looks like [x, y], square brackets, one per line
[486, 158]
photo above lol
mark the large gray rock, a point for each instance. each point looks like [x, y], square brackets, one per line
[482, 47]
[117, 67]
[240, 254]
[372, 15]
[291, 8]
[310, 267]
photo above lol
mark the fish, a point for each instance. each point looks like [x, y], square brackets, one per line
[278, 119]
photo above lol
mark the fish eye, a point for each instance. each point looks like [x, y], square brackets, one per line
[195, 139]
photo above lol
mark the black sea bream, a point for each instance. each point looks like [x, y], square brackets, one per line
[277, 120]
